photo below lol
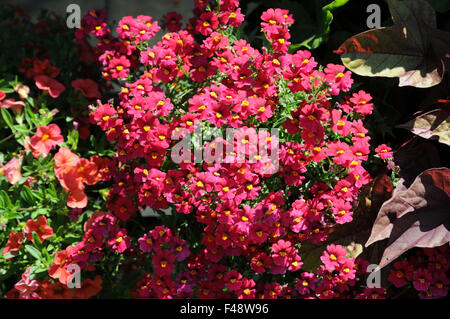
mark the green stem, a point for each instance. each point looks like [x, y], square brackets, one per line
[405, 289]
[6, 138]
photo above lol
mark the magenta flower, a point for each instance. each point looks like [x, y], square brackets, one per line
[333, 256]
[384, 151]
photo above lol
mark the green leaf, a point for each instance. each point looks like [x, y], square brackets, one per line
[46, 255]
[30, 117]
[323, 28]
[6, 200]
[7, 118]
[33, 251]
[51, 193]
[8, 90]
[36, 270]
[36, 240]
[13, 215]
[27, 195]
[39, 212]
[70, 239]
[334, 5]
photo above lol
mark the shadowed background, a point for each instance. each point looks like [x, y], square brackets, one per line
[116, 8]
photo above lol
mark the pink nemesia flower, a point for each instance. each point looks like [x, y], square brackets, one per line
[120, 241]
[422, 279]
[87, 87]
[46, 83]
[16, 106]
[11, 170]
[333, 256]
[27, 287]
[401, 274]
[384, 151]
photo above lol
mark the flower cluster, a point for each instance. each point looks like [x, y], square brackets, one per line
[235, 227]
[245, 212]
[28, 288]
[426, 271]
[100, 231]
[44, 75]
[37, 82]
[166, 248]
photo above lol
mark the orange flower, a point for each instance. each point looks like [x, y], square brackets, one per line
[49, 290]
[87, 87]
[58, 270]
[65, 162]
[40, 227]
[14, 242]
[46, 83]
[45, 139]
[72, 172]
[89, 288]
[77, 197]
[11, 170]
[59, 291]
[16, 106]
[87, 171]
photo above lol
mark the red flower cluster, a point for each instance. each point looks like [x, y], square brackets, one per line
[426, 271]
[275, 25]
[38, 226]
[100, 231]
[166, 249]
[43, 74]
[227, 198]
[117, 54]
[252, 222]
[33, 289]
